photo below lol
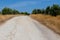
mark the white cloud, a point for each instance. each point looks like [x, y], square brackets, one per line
[23, 4]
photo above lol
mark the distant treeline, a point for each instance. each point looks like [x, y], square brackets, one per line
[53, 10]
[8, 11]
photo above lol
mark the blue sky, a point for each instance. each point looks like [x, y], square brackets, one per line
[27, 5]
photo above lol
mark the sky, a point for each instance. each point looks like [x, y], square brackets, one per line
[27, 5]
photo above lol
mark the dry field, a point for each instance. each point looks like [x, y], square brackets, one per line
[3, 18]
[49, 21]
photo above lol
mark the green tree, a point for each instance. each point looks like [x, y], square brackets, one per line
[55, 10]
[0, 12]
[48, 10]
[15, 12]
[42, 11]
[36, 11]
[6, 11]
[25, 13]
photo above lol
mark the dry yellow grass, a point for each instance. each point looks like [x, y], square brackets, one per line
[49, 21]
[3, 18]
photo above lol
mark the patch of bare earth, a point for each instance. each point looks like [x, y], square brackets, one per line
[49, 21]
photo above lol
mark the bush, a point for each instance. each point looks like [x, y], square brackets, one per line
[6, 11]
[53, 10]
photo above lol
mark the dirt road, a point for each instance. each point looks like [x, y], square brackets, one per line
[25, 28]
